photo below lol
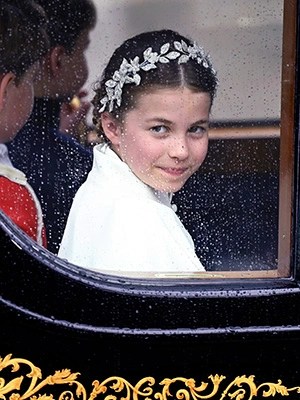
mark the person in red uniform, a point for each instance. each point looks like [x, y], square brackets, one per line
[23, 41]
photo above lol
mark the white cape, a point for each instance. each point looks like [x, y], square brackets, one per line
[118, 224]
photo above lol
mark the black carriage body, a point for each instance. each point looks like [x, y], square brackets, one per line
[153, 336]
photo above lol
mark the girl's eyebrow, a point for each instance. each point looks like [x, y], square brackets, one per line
[160, 120]
[200, 122]
[166, 121]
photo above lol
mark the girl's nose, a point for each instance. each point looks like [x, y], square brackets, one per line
[178, 149]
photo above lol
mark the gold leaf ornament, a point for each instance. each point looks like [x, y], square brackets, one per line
[14, 386]
[31, 386]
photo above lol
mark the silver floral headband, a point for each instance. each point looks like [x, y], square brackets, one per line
[128, 72]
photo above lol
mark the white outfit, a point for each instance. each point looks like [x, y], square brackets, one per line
[117, 223]
[4, 157]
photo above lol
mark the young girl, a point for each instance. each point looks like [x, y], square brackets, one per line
[152, 107]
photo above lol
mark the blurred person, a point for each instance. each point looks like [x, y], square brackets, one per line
[55, 163]
[23, 41]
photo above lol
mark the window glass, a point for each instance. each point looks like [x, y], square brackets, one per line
[231, 206]
[237, 207]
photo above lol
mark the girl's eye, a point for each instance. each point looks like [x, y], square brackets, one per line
[159, 129]
[198, 129]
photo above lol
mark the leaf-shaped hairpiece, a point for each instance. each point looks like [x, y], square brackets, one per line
[128, 71]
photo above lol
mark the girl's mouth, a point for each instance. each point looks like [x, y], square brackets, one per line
[174, 171]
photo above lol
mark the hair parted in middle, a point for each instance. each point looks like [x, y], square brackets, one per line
[149, 61]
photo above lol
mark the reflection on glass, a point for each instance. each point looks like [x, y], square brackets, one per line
[231, 205]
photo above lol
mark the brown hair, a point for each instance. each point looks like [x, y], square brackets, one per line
[67, 20]
[196, 76]
[23, 39]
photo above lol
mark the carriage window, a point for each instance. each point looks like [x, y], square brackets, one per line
[237, 207]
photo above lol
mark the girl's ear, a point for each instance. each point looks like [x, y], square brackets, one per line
[5, 81]
[111, 128]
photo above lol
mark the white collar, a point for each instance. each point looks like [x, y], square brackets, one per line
[8, 170]
[4, 158]
[103, 153]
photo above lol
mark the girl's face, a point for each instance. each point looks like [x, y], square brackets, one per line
[164, 139]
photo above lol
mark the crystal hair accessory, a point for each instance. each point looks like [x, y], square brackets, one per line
[128, 72]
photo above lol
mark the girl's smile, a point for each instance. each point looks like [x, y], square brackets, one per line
[174, 171]
[164, 139]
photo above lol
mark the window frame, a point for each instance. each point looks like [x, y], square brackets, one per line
[289, 193]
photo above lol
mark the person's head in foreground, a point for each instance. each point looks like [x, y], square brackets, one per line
[23, 42]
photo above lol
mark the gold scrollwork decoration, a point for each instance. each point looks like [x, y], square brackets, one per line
[121, 384]
[241, 388]
[267, 388]
[62, 377]
[118, 388]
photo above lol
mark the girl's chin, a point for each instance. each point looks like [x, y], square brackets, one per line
[166, 187]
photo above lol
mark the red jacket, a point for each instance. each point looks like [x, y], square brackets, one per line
[19, 202]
